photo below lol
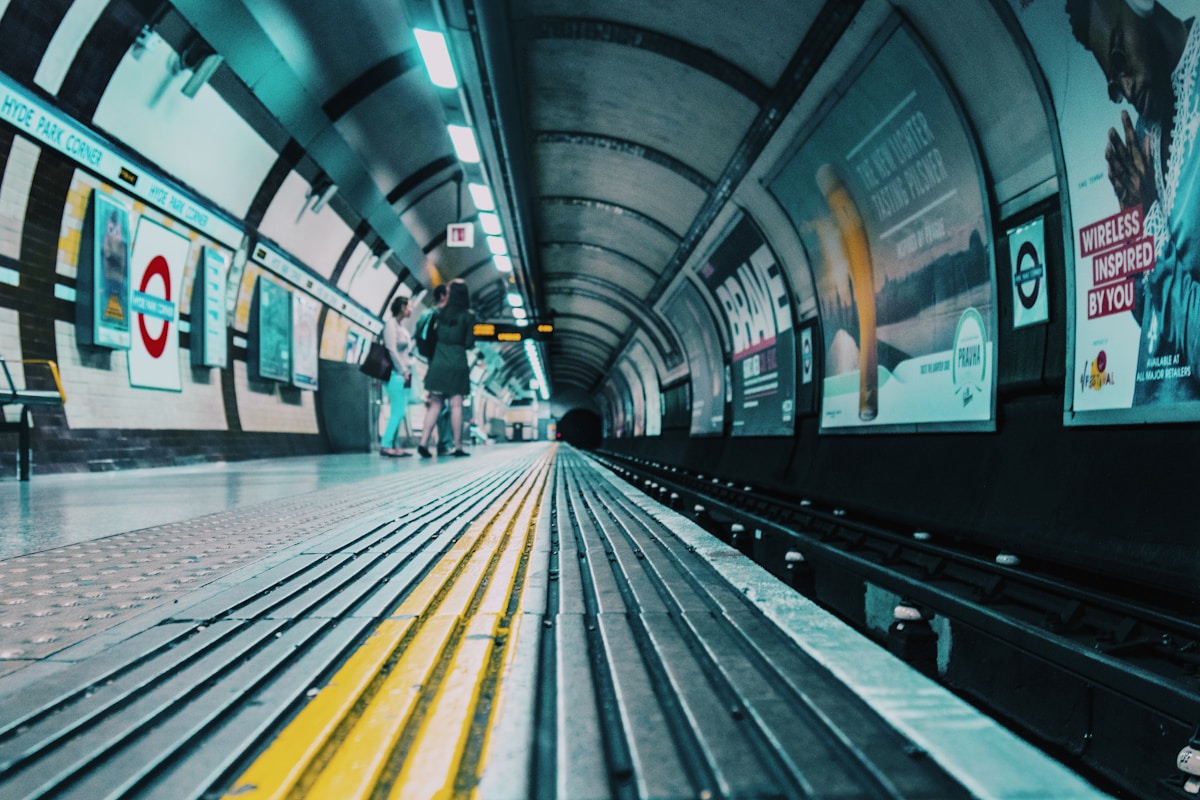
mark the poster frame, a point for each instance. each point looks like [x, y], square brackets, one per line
[894, 22]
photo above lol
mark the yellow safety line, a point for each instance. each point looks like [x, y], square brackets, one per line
[341, 743]
[434, 761]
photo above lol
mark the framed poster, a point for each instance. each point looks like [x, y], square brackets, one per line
[1132, 162]
[705, 358]
[270, 336]
[305, 359]
[156, 276]
[102, 316]
[209, 341]
[745, 280]
[886, 192]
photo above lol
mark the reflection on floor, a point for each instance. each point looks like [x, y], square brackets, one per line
[55, 510]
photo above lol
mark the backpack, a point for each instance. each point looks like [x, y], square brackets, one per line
[426, 335]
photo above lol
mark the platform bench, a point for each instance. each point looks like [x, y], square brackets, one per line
[10, 395]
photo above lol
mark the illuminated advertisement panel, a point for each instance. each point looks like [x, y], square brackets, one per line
[887, 195]
[271, 339]
[306, 314]
[745, 279]
[156, 277]
[635, 395]
[209, 341]
[648, 377]
[1125, 80]
[705, 357]
[102, 315]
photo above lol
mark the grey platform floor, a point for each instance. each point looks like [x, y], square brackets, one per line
[56, 510]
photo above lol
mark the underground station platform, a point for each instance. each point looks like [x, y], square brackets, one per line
[519, 624]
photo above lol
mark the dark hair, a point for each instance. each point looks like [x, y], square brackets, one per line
[1080, 14]
[439, 292]
[458, 302]
[399, 303]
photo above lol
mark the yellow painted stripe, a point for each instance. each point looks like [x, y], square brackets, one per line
[443, 633]
[362, 757]
[432, 764]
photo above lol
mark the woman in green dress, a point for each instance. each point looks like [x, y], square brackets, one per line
[449, 374]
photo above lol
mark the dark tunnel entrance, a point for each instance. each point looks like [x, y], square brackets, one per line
[581, 428]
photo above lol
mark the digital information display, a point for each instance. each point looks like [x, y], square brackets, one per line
[887, 194]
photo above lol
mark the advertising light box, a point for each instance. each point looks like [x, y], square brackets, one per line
[887, 194]
[209, 340]
[270, 337]
[306, 313]
[705, 358]
[102, 316]
[1132, 159]
[745, 280]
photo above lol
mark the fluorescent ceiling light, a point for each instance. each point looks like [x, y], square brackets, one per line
[503, 263]
[437, 58]
[515, 300]
[497, 245]
[465, 146]
[522, 323]
[482, 196]
[519, 313]
[490, 223]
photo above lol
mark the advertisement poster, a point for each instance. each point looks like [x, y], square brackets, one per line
[705, 358]
[1027, 254]
[306, 313]
[887, 195]
[651, 391]
[209, 344]
[271, 343]
[1125, 80]
[156, 276]
[745, 279]
[102, 303]
[635, 394]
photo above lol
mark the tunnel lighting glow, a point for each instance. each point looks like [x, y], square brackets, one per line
[522, 322]
[519, 313]
[497, 245]
[515, 300]
[437, 58]
[490, 223]
[465, 146]
[503, 263]
[481, 195]
[539, 374]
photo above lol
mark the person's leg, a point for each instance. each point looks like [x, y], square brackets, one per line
[456, 421]
[431, 415]
[397, 398]
[443, 429]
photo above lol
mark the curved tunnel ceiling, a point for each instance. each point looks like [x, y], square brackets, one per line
[614, 134]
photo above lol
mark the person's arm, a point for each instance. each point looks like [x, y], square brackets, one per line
[404, 347]
[391, 342]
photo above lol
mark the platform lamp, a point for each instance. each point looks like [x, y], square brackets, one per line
[200, 59]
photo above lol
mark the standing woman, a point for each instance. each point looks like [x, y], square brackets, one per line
[397, 338]
[448, 375]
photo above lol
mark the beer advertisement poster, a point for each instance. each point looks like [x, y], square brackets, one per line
[1124, 77]
[747, 284]
[156, 277]
[887, 195]
[702, 347]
